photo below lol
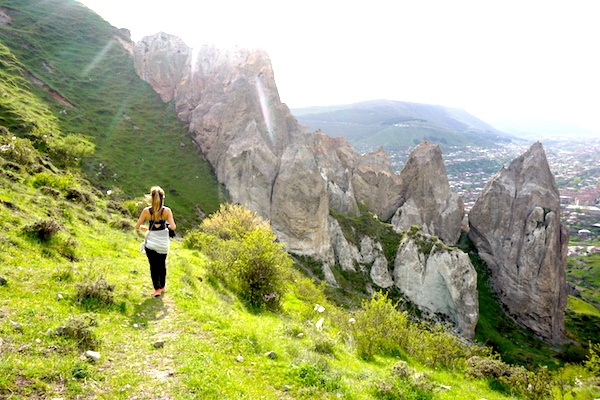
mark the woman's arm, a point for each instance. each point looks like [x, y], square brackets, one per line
[143, 216]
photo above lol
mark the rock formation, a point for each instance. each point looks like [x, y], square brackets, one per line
[515, 225]
[259, 152]
[438, 279]
[426, 199]
[293, 177]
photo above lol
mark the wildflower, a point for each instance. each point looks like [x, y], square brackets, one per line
[352, 320]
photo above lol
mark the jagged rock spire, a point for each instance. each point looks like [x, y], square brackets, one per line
[515, 225]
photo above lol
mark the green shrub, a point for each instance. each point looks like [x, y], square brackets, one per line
[400, 384]
[17, 149]
[132, 207]
[242, 251]
[593, 360]
[70, 149]
[259, 266]
[56, 181]
[379, 327]
[316, 375]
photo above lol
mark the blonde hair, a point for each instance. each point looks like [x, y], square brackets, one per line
[157, 195]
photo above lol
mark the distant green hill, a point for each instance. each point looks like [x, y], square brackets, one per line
[397, 125]
[73, 62]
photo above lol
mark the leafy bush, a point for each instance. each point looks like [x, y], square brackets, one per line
[379, 327]
[259, 267]
[242, 251]
[400, 384]
[487, 367]
[56, 181]
[316, 375]
[43, 229]
[17, 149]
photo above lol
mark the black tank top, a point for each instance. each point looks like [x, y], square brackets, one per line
[157, 225]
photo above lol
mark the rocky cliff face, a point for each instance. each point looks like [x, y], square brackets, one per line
[438, 279]
[263, 157]
[426, 199]
[516, 228]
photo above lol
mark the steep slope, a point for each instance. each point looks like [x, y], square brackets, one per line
[397, 125]
[80, 66]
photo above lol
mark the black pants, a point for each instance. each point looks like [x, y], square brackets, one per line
[158, 268]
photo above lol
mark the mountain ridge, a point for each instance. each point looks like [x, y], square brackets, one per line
[399, 125]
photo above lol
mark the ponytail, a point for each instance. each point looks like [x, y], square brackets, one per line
[158, 200]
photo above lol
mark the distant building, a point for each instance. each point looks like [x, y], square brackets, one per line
[584, 234]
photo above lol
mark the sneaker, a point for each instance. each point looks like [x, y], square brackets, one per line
[156, 293]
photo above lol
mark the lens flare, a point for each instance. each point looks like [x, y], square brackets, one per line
[97, 59]
[264, 107]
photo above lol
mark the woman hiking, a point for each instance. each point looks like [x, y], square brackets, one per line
[157, 237]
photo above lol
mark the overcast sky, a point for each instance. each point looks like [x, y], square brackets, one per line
[524, 63]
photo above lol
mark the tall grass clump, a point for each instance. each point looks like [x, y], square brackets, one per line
[243, 253]
[94, 293]
[43, 229]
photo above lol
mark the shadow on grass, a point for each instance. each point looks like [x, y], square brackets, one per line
[151, 309]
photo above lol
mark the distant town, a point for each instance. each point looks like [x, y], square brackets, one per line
[575, 164]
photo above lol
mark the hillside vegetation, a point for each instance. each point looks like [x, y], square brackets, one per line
[77, 283]
[72, 62]
[239, 319]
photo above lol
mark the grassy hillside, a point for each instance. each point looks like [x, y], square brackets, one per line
[73, 281]
[86, 79]
[398, 126]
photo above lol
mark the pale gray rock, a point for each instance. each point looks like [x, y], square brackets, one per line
[515, 225]
[346, 254]
[426, 199]
[439, 281]
[380, 274]
[300, 205]
[376, 184]
[329, 276]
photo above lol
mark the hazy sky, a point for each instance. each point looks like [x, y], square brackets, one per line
[524, 61]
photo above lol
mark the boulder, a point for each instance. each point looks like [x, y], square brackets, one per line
[515, 225]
